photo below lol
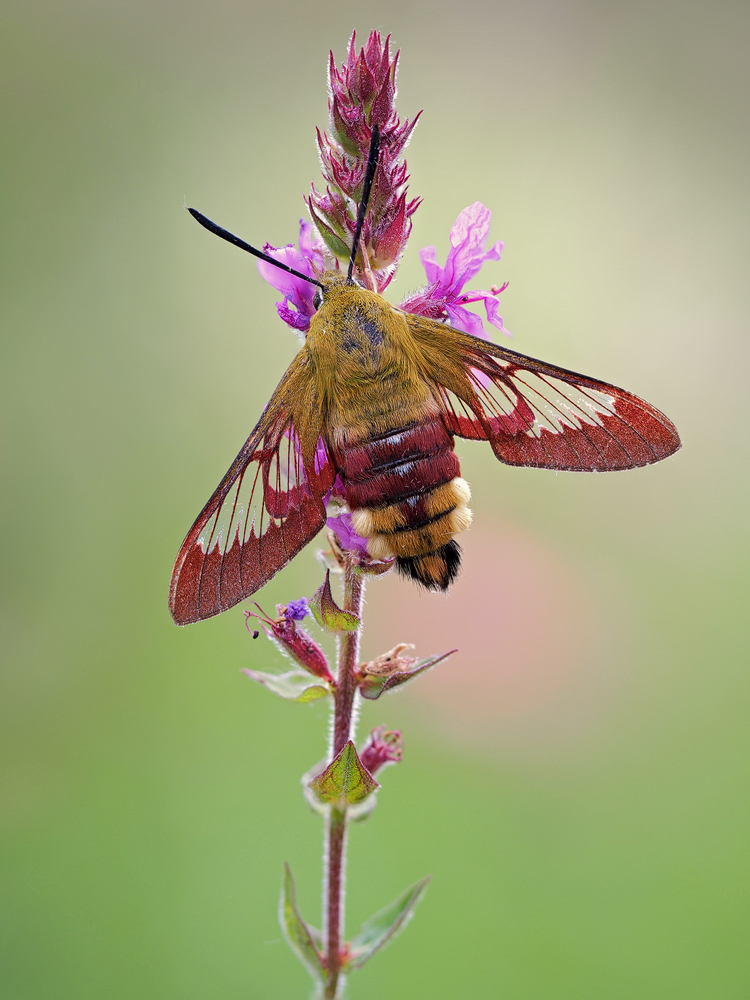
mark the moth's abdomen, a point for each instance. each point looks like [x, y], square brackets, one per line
[407, 498]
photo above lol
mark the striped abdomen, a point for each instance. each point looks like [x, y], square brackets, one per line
[407, 498]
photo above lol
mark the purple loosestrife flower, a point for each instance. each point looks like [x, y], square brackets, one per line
[345, 540]
[443, 297]
[297, 305]
[297, 610]
[339, 520]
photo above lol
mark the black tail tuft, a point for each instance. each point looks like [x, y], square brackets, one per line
[437, 570]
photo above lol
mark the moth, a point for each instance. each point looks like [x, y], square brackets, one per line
[377, 396]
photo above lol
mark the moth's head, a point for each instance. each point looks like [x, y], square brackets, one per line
[334, 284]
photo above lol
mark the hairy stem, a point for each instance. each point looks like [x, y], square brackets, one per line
[343, 718]
[335, 860]
[348, 661]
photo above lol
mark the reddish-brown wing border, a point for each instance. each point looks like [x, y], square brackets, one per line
[266, 508]
[539, 415]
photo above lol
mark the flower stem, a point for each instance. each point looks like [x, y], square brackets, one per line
[348, 661]
[343, 730]
[335, 860]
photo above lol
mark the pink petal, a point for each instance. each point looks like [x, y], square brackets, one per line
[467, 253]
[471, 226]
[298, 319]
[464, 320]
[307, 247]
[492, 308]
[347, 536]
[282, 281]
[429, 262]
[495, 251]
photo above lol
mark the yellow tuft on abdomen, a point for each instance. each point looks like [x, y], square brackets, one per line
[387, 531]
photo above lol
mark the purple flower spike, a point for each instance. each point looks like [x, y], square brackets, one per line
[297, 306]
[297, 610]
[363, 95]
[444, 298]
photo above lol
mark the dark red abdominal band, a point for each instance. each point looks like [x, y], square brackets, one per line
[406, 463]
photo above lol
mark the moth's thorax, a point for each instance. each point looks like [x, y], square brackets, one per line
[350, 314]
[363, 356]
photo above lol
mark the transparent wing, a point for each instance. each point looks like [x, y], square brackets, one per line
[536, 414]
[267, 507]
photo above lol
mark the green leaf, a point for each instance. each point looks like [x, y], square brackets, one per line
[305, 941]
[346, 781]
[294, 685]
[328, 614]
[372, 686]
[385, 925]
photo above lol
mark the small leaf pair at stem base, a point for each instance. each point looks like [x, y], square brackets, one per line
[384, 925]
[307, 942]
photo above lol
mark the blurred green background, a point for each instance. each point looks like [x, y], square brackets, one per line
[576, 778]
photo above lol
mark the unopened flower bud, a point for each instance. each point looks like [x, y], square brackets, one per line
[385, 746]
[292, 639]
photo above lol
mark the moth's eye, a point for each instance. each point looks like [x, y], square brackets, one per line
[318, 298]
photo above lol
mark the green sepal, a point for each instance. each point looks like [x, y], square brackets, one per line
[294, 685]
[305, 941]
[338, 128]
[328, 614]
[332, 240]
[385, 925]
[372, 685]
[346, 781]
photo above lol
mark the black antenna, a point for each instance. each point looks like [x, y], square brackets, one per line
[230, 238]
[372, 166]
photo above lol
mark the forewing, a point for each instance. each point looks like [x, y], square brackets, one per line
[536, 414]
[267, 507]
